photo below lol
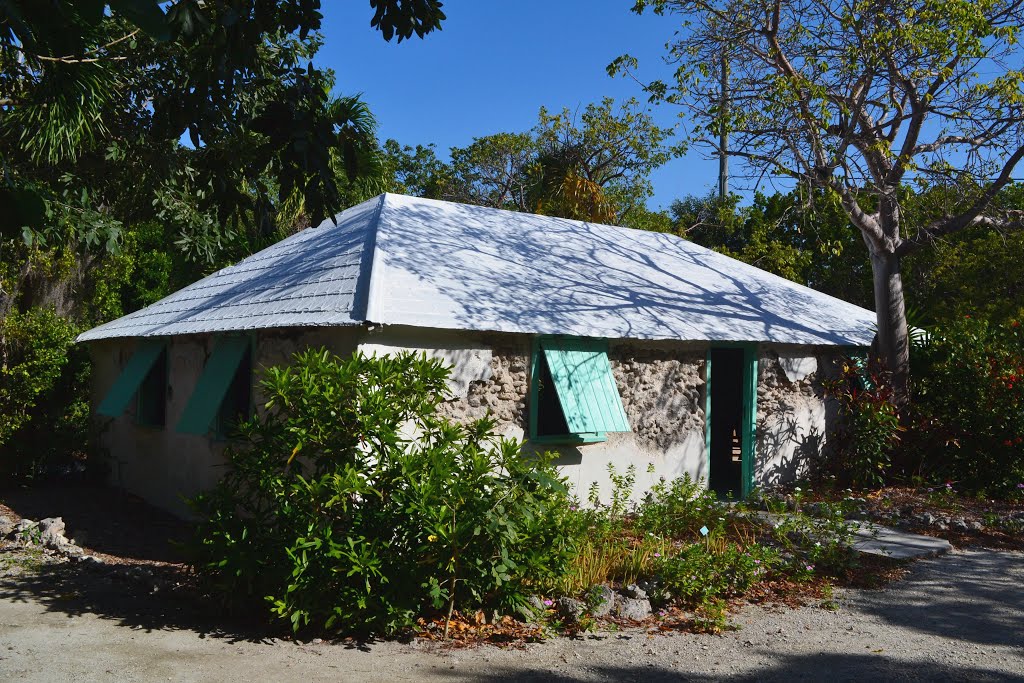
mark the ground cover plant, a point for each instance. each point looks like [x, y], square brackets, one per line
[693, 551]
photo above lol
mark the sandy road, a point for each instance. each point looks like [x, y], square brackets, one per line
[957, 617]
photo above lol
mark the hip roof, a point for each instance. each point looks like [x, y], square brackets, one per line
[419, 262]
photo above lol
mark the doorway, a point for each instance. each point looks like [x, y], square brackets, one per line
[731, 397]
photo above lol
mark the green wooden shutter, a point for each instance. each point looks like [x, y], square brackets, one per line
[748, 441]
[212, 386]
[585, 386]
[128, 382]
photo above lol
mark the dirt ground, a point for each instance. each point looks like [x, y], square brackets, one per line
[956, 617]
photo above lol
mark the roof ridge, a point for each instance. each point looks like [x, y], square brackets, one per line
[371, 305]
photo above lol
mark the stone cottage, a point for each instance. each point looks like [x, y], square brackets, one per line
[608, 345]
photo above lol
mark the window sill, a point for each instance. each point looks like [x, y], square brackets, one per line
[570, 439]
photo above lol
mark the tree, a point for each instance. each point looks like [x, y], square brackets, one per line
[84, 83]
[861, 98]
[103, 209]
[594, 166]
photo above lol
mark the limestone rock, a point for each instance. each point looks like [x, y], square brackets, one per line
[602, 601]
[51, 532]
[570, 609]
[633, 609]
[634, 591]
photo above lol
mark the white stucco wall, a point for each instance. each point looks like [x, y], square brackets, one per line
[161, 464]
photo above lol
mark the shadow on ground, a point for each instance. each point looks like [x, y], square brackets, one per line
[114, 593]
[793, 668]
[141, 584]
[105, 520]
[972, 596]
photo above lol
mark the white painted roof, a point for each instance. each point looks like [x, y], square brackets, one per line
[407, 261]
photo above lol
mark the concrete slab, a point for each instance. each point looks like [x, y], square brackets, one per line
[879, 540]
[898, 545]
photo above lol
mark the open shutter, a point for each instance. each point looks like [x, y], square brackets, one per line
[131, 378]
[586, 389]
[748, 442]
[213, 385]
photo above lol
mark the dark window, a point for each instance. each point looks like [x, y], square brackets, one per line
[152, 405]
[237, 404]
[550, 418]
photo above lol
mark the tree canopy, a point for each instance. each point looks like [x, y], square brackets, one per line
[95, 93]
[589, 165]
[860, 98]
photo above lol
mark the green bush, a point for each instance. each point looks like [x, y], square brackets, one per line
[968, 404]
[869, 426]
[678, 508]
[704, 572]
[350, 505]
[44, 409]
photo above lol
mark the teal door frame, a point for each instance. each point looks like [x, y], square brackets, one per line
[748, 441]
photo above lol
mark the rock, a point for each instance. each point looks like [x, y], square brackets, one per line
[533, 608]
[24, 525]
[54, 525]
[6, 525]
[602, 601]
[633, 608]
[634, 591]
[51, 533]
[927, 518]
[976, 526]
[570, 609]
[960, 525]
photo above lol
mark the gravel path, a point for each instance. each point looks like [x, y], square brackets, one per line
[956, 617]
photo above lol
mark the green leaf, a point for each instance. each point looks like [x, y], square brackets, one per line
[146, 14]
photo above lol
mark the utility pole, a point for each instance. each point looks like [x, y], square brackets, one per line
[723, 133]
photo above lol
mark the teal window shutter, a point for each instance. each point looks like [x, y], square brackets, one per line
[128, 382]
[586, 389]
[204, 404]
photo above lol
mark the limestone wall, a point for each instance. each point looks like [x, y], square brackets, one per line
[793, 413]
[662, 390]
[661, 384]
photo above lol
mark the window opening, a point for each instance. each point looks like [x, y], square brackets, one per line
[151, 409]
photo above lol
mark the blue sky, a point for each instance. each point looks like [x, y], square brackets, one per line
[495, 63]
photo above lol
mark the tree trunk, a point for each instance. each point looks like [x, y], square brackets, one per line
[891, 314]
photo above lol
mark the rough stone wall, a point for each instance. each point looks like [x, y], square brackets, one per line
[662, 392]
[504, 393]
[792, 415]
[661, 389]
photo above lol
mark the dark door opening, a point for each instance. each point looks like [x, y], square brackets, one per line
[726, 448]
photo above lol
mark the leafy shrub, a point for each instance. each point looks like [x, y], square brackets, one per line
[701, 573]
[816, 544]
[678, 508]
[869, 425]
[968, 404]
[350, 505]
[44, 409]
